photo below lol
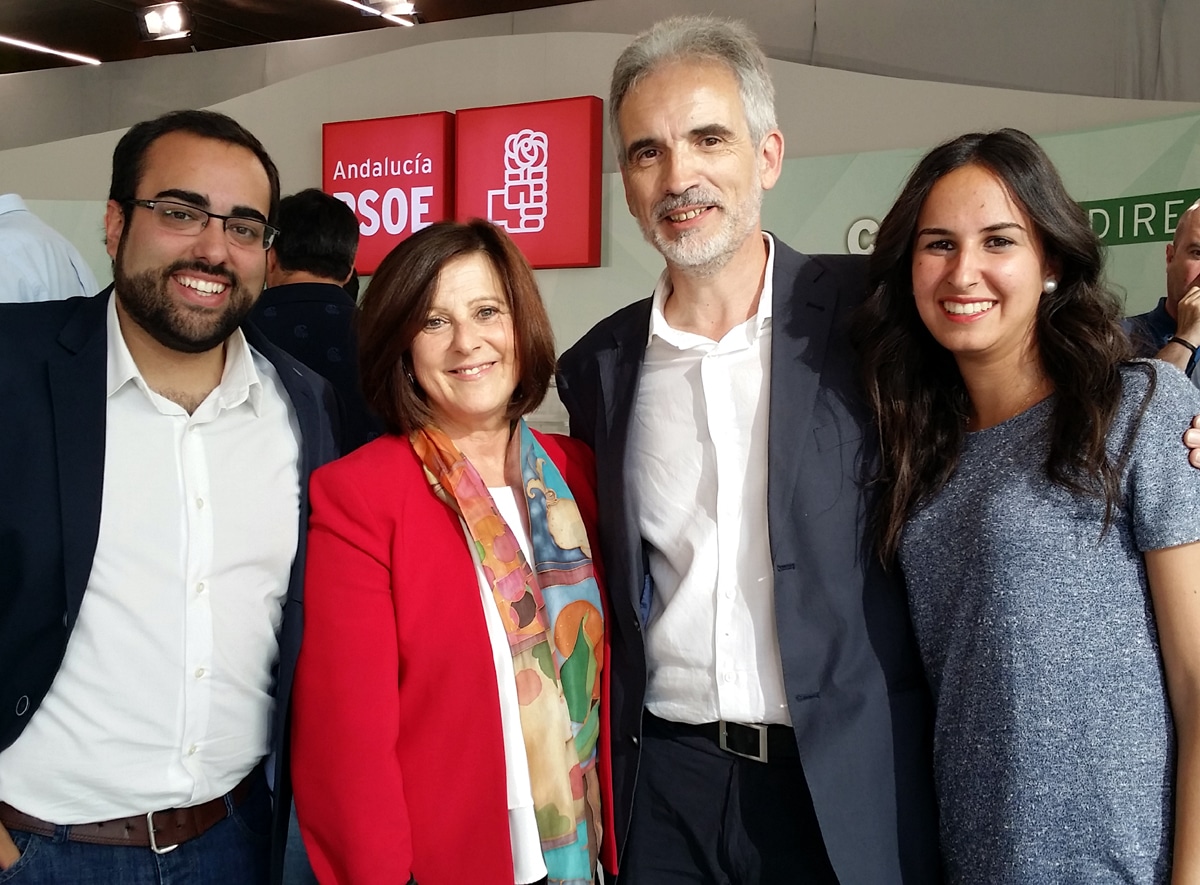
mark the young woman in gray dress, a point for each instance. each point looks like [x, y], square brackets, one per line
[1035, 494]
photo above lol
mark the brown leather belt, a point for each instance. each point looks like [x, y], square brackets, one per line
[160, 831]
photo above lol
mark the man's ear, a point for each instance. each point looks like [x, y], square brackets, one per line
[770, 159]
[114, 227]
[272, 267]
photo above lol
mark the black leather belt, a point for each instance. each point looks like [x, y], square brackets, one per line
[762, 743]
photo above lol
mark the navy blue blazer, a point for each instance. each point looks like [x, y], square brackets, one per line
[857, 696]
[53, 374]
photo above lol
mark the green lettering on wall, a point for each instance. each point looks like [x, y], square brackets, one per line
[1149, 218]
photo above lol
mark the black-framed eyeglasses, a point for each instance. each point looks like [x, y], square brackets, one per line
[182, 218]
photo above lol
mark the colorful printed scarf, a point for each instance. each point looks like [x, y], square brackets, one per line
[555, 624]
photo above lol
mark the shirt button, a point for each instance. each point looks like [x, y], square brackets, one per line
[730, 677]
[199, 672]
[200, 588]
[192, 750]
[199, 503]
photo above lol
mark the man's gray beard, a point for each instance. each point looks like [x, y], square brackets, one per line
[705, 257]
[699, 258]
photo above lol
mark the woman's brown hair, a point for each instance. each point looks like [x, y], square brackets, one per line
[396, 303]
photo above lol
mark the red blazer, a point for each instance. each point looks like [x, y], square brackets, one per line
[397, 750]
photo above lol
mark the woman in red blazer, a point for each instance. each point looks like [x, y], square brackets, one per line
[447, 722]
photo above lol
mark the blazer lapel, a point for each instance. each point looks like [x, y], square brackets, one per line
[620, 369]
[315, 448]
[78, 380]
[303, 401]
[803, 313]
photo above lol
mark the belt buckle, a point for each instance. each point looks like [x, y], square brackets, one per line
[153, 843]
[760, 756]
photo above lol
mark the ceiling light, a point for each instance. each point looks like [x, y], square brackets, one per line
[37, 47]
[370, 10]
[164, 21]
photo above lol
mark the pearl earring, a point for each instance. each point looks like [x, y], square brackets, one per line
[1050, 286]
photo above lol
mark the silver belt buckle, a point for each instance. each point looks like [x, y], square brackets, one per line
[154, 844]
[761, 756]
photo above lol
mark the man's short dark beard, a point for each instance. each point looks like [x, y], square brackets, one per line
[146, 300]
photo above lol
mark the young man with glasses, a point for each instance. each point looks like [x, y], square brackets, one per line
[152, 512]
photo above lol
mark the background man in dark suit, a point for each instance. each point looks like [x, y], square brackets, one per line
[769, 721]
[152, 508]
[305, 309]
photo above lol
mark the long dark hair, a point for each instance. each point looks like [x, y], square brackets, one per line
[913, 383]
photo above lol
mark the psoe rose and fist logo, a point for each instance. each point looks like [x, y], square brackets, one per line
[520, 205]
[534, 169]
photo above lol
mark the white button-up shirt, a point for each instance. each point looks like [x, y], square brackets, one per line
[697, 474]
[164, 697]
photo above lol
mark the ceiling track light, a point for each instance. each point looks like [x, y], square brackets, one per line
[38, 47]
[164, 21]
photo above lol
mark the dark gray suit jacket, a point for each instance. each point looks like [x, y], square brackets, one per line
[857, 697]
[53, 374]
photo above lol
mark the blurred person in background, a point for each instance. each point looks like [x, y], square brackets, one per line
[306, 311]
[37, 263]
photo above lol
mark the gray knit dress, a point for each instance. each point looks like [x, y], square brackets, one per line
[1053, 742]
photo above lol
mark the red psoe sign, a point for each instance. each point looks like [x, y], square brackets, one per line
[534, 169]
[396, 173]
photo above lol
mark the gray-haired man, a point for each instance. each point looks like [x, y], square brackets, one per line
[769, 718]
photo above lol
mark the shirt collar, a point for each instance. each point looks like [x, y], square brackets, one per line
[239, 379]
[661, 328]
[12, 203]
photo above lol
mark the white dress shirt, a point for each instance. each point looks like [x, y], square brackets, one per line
[164, 697]
[697, 473]
[37, 263]
[528, 863]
